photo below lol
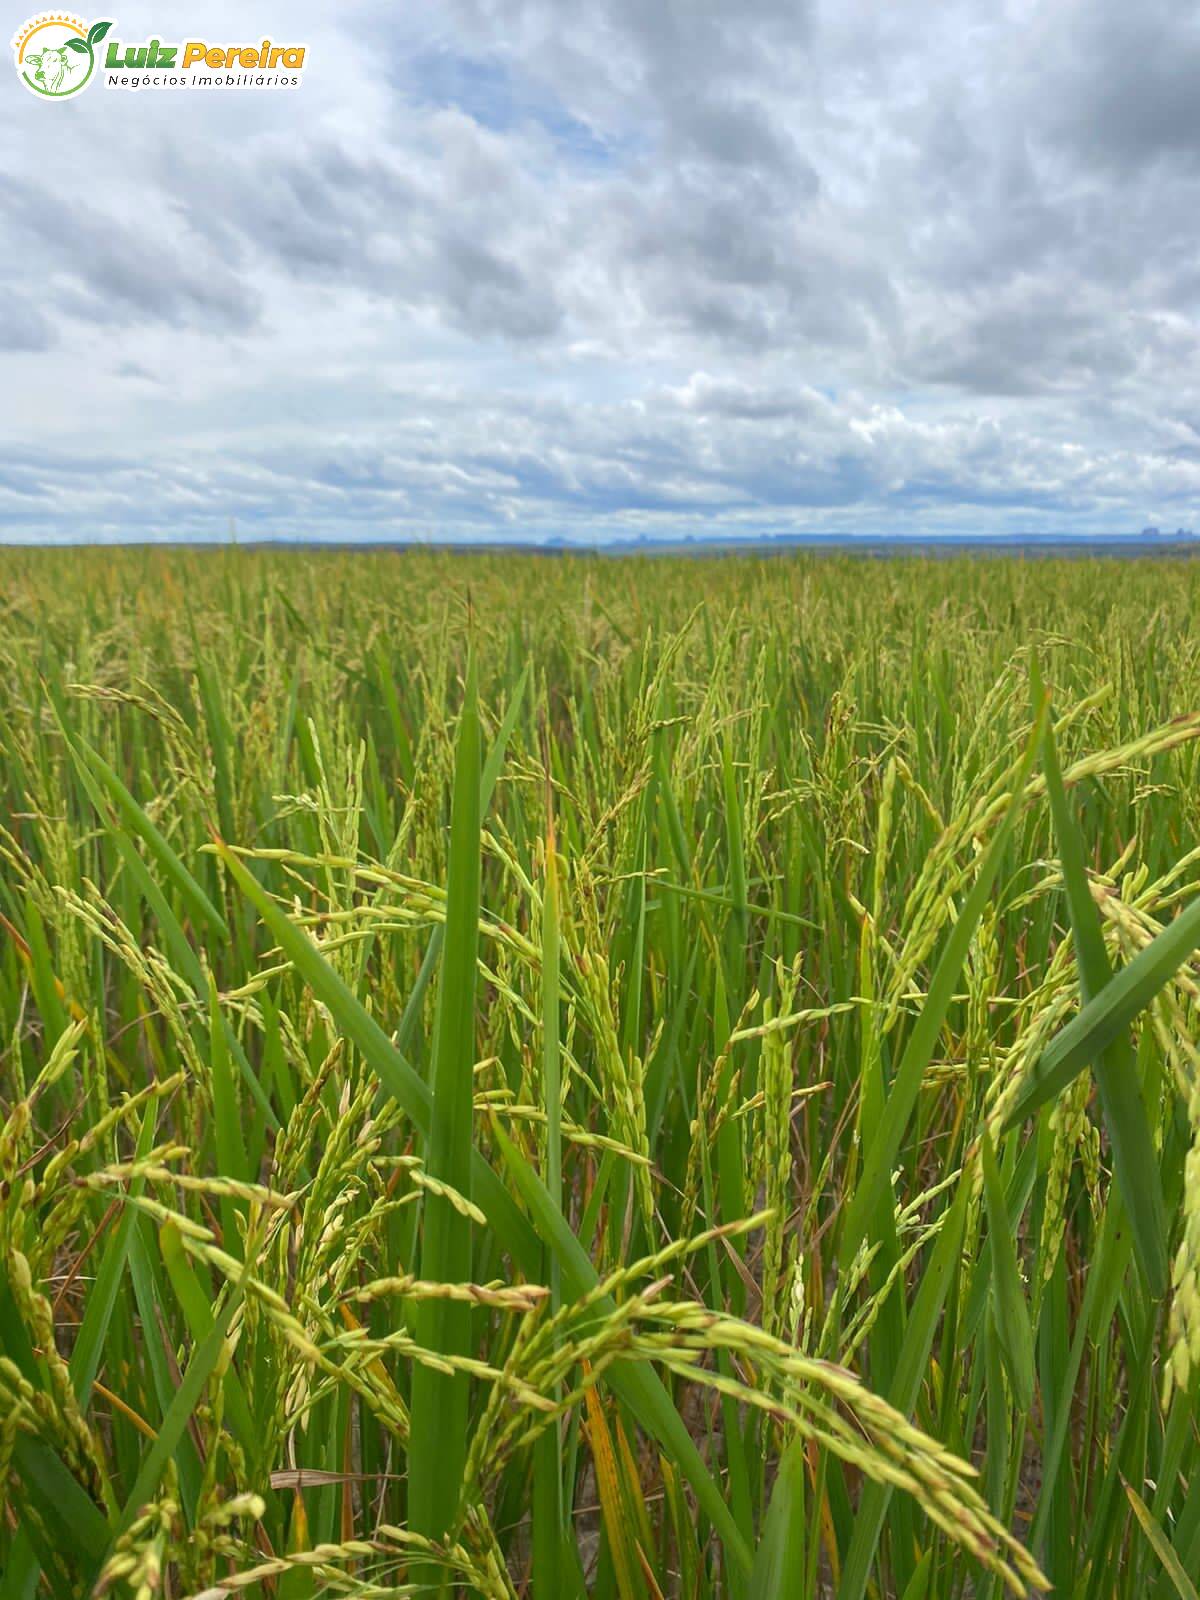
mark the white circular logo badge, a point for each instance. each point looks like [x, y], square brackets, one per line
[55, 54]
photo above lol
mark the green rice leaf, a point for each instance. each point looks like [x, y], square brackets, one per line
[1008, 1296]
[779, 1561]
[1161, 1546]
[1107, 1014]
[439, 1399]
[1134, 1160]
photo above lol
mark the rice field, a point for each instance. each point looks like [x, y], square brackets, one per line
[560, 1077]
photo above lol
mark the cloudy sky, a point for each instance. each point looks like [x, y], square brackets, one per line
[527, 269]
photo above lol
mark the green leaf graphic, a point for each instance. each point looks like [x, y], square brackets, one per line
[97, 31]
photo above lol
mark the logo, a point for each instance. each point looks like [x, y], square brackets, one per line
[56, 54]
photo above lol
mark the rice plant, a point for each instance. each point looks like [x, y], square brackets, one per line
[570, 1077]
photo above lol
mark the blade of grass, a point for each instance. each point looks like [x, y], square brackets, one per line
[617, 1527]
[411, 1020]
[494, 763]
[232, 1161]
[1103, 1018]
[1108, 1267]
[136, 820]
[548, 1526]
[88, 1353]
[152, 893]
[906, 1384]
[195, 1304]
[779, 1562]
[1134, 1161]
[61, 1500]
[199, 1370]
[1159, 1543]
[1008, 1297]
[438, 1441]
